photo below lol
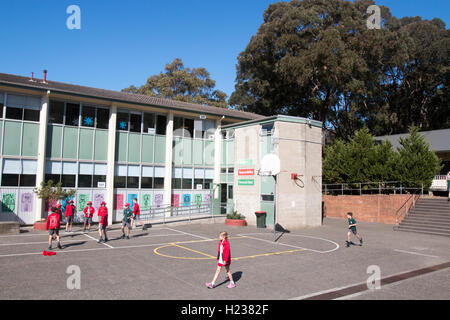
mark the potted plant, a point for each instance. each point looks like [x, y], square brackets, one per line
[51, 193]
[235, 219]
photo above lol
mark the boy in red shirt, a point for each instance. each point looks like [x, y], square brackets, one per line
[137, 215]
[52, 226]
[102, 222]
[88, 214]
[224, 260]
[69, 214]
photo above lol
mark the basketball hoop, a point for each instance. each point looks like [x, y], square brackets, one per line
[264, 173]
[270, 165]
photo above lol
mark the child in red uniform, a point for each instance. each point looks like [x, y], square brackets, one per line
[88, 214]
[137, 215]
[224, 258]
[102, 222]
[69, 214]
[52, 226]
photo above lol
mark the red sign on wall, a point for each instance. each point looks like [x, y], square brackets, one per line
[246, 172]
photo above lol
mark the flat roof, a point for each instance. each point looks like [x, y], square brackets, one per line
[439, 140]
[124, 97]
[279, 117]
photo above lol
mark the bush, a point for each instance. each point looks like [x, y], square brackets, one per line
[235, 216]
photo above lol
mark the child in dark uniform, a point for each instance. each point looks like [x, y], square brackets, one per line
[352, 227]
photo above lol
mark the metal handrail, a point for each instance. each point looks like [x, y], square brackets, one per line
[399, 213]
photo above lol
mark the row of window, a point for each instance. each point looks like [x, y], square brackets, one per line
[141, 122]
[18, 107]
[74, 114]
[193, 128]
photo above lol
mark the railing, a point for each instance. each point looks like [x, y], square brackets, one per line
[403, 211]
[439, 183]
[360, 188]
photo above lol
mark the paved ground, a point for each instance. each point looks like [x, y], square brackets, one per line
[174, 262]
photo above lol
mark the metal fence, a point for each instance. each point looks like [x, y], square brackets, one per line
[360, 188]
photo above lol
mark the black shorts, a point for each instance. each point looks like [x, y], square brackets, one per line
[53, 232]
[353, 230]
[69, 219]
[101, 226]
[88, 220]
[126, 224]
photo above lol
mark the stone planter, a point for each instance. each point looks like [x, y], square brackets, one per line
[235, 222]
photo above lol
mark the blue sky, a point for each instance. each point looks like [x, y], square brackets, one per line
[123, 42]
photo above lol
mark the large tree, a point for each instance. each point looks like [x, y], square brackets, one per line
[318, 59]
[183, 84]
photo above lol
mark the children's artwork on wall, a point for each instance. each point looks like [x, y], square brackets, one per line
[83, 199]
[26, 202]
[175, 200]
[98, 199]
[198, 200]
[131, 196]
[206, 199]
[118, 201]
[49, 204]
[65, 203]
[158, 200]
[8, 202]
[186, 200]
[146, 201]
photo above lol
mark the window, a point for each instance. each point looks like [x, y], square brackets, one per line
[54, 177]
[68, 180]
[14, 113]
[188, 128]
[122, 121]
[84, 181]
[149, 123]
[198, 182]
[161, 122]
[72, 114]
[146, 182]
[187, 183]
[133, 182]
[135, 122]
[158, 183]
[88, 116]
[31, 115]
[99, 179]
[177, 127]
[102, 118]
[120, 182]
[230, 191]
[176, 183]
[10, 180]
[56, 112]
[27, 180]
[208, 183]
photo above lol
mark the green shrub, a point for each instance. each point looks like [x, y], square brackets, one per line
[235, 216]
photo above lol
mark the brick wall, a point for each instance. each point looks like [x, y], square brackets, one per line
[368, 208]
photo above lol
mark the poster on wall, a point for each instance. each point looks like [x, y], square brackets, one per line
[146, 201]
[131, 196]
[8, 202]
[49, 204]
[118, 201]
[83, 199]
[158, 200]
[206, 199]
[98, 199]
[26, 202]
[65, 203]
[175, 200]
[186, 200]
[198, 200]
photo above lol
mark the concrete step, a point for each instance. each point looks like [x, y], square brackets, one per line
[430, 208]
[9, 227]
[429, 220]
[429, 214]
[425, 225]
[423, 231]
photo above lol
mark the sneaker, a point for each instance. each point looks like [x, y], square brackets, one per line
[59, 246]
[209, 285]
[123, 236]
[49, 247]
[347, 244]
[144, 228]
[106, 239]
[128, 238]
[231, 285]
[99, 240]
[361, 242]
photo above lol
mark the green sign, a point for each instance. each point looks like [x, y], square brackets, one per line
[245, 162]
[246, 182]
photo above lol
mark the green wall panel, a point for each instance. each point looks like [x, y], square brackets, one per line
[1, 129]
[223, 160]
[230, 153]
[197, 152]
[187, 151]
[11, 141]
[147, 148]
[209, 153]
[54, 135]
[86, 140]
[160, 149]
[134, 147]
[70, 143]
[30, 139]
[121, 146]
[177, 153]
[101, 145]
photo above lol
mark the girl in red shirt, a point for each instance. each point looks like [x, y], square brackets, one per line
[102, 222]
[88, 214]
[224, 260]
[69, 214]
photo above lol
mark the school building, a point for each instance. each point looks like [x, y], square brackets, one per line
[114, 146]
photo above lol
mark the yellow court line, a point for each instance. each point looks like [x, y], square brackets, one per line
[267, 254]
[205, 254]
[206, 240]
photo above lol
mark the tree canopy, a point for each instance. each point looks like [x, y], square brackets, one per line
[318, 59]
[182, 84]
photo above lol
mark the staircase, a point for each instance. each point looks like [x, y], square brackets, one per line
[431, 216]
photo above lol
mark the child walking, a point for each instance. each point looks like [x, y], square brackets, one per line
[352, 227]
[52, 226]
[102, 222]
[88, 214]
[126, 221]
[137, 215]
[224, 260]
